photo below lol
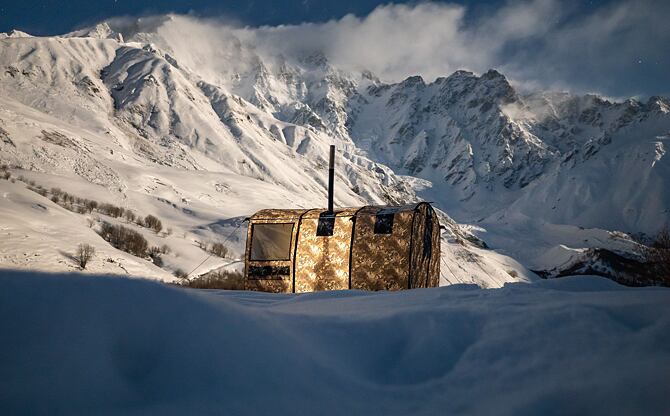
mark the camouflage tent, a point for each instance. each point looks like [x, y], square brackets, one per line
[368, 248]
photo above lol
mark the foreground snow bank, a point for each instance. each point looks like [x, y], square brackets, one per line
[92, 345]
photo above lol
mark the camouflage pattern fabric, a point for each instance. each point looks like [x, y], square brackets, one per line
[434, 264]
[425, 252]
[381, 261]
[402, 256]
[322, 262]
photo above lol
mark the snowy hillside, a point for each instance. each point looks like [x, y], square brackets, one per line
[108, 346]
[203, 133]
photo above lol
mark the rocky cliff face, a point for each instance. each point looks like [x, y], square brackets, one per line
[137, 95]
[485, 147]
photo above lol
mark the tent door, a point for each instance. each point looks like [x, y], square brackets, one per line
[322, 253]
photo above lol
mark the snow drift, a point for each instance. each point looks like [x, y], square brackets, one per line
[98, 345]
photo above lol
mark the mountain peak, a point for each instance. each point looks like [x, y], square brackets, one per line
[460, 74]
[493, 74]
[413, 81]
[100, 31]
[659, 103]
[14, 33]
[497, 85]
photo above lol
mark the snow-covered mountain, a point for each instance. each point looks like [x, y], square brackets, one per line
[200, 132]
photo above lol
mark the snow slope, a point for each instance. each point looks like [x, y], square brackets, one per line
[124, 123]
[38, 234]
[203, 133]
[94, 345]
[484, 146]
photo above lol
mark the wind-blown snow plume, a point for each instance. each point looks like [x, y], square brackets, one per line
[537, 43]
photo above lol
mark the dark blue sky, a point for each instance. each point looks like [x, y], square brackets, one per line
[585, 52]
[50, 17]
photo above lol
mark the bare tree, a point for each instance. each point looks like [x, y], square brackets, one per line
[218, 249]
[124, 239]
[154, 251]
[228, 280]
[154, 223]
[91, 205]
[180, 274]
[85, 253]
[130, 216]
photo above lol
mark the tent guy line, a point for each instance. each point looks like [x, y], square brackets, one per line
[211, 254]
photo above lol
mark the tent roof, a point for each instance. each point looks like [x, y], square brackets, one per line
[294, 214]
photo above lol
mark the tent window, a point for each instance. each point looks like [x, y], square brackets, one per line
[271, 242]
[326, 225]
[384, 223]
[268, 272]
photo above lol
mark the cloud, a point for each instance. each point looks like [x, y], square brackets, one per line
[616, 49]
[393, 41]
[620, 50]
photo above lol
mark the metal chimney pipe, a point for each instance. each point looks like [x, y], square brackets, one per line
[331, 178]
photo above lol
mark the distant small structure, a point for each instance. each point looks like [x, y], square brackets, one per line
[364, 248]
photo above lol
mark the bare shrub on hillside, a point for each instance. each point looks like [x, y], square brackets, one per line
[218, 249]
[91, 205]
[154, 251]
[6, 175]
[658, 254]
[124, 239]
[157, 260]
[154, 223]
[85, 253]
[228, 280]
[67, 198]
[38, 190]
[111, 210]
[130, 216]
[180, 274]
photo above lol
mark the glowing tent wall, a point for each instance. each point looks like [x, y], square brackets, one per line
[367, 248]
